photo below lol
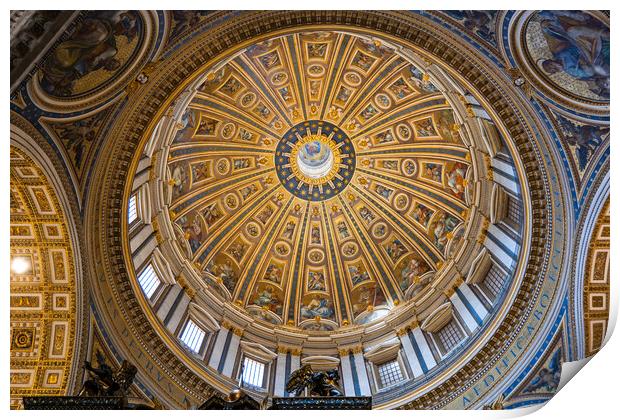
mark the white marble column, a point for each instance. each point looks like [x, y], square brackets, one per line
[475, 304]
[218, 348]
[501, 246]
[464, 313]
[179, 311]
[412, 357]
[280, 379]
[138, 239]
[362, 374]
[347, 374]
[142, 254]
[231, 354]
[468, 306]
[295, 361]
[504, 174]
[423, 351]
[167, 301]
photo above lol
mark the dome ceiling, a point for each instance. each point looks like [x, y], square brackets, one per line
[339, 189]
[372, 191]
[319, 180]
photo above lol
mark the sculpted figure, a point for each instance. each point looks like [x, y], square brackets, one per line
[104, 381]
[321, 384]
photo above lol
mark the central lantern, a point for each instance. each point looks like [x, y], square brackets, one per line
[315, 160]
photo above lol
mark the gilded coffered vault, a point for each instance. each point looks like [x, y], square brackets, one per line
[596, 289]
[43, 285]
[410, 198]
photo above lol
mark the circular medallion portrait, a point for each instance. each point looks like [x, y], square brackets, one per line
[567, 55]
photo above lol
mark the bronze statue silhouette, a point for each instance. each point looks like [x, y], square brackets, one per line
[104, 381]
[322, 384]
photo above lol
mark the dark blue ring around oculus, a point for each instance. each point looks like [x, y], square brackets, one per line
[346, 171]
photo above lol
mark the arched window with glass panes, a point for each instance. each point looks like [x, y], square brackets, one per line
[149, 280]
[255, 365]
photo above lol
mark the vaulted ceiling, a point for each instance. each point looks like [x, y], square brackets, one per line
[332, 188]
[340, 247]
